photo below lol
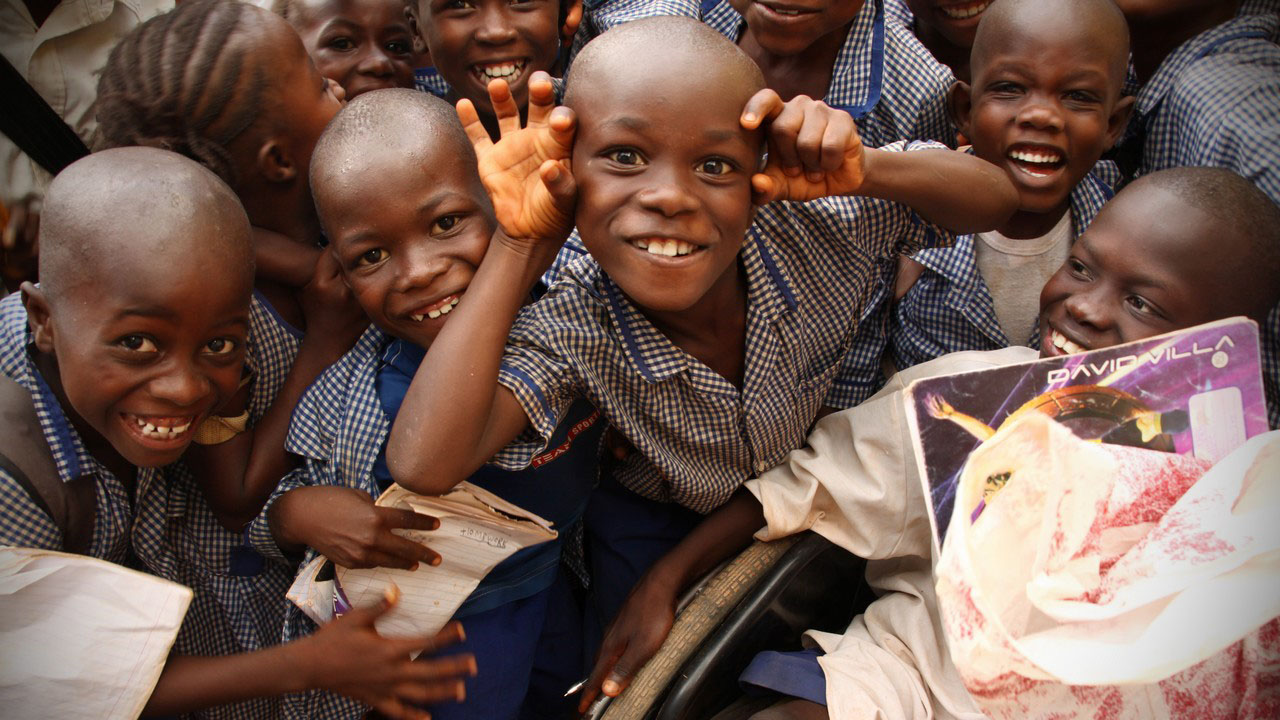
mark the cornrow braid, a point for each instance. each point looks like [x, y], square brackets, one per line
[178, 82]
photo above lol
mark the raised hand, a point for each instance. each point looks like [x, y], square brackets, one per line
[527, 171]
[344, 525]
[814, 149]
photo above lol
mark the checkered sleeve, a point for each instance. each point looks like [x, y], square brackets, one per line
[600, 16]
[25, 524]
[260, 536]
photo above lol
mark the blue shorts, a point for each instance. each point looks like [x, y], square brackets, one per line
[797, 674]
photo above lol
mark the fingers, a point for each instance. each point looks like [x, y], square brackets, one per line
[445, 671]
[559, 181]
[764, 189]
[408, 519]
[504, 107]
[563, 123]
[366, 616]
[603, 669]
[764, 105]
[542, 98]
[476, 133]
[398, 552]
[452, 634]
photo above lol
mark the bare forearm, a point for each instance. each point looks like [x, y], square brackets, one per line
[456, 386]
[190, 683]
[721, 535]
[960, 192]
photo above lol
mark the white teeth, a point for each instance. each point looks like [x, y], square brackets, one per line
[1045, 158]
[788, 13]
[445, 310]
[442, 310]
[655, 248]
[1061, 342]
[160, 432]
[433, 314]
[502, 70]
[965, 11]
[148, 428]
[666, 248]
[416, 318]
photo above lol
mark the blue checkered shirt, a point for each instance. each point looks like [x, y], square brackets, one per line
[24, 523]
[810, 267]
[1215, 101]
[883, 76]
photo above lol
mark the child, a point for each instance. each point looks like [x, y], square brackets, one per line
[1210, 84]
[121, 370]
[946, 28]
[361, 45]
[1178, 249]
[1044, 105]
[409, 258]
[230, 85]
[708, 340]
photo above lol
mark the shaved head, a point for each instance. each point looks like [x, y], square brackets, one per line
[113, 210]
[659, 51]
[396, 126]
[1098, 20]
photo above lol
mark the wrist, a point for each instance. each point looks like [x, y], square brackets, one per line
[296, 668]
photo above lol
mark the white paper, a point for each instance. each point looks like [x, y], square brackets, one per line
[81, 638]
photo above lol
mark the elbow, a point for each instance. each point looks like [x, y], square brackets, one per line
[417, 474]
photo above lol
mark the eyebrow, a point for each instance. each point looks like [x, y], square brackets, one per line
[640, 124]
[424, 210]
[160, 312]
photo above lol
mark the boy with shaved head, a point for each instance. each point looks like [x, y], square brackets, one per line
[135, 336]
[707, 330]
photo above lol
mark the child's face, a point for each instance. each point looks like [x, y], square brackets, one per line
[474, 41]
[1144, 267]
[664, 195]
[1043, 106]
[788, 27]
[149, 347]
[955, 20]
[305, 101]
[409, 255]
[360, 44]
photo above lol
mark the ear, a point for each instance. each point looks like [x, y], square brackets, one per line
[959, 105]
[1119, 119]
[572, 19]
[39, 317]
[274, 162]
[419, 45]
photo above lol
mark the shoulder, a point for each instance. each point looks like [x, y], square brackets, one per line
[22, 522]
[319, 415]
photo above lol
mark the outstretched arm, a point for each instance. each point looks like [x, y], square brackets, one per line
[527, 175]
[815, 151]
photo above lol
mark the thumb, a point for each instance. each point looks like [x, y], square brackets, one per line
[367, 616]
[764, 189]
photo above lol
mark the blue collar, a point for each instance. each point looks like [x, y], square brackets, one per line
[1151, 94]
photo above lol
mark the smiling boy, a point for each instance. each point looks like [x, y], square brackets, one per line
[946, 28]
[409, 258]
[1044, 105]
[1156, 259]
[706, 331]
[362, 45]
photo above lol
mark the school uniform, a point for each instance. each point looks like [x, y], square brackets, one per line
[1212, 102]
[809, 269]
[340, 429]
[882, 76]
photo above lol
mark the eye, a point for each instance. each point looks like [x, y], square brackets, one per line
[456, 5]
[341, 44]
[221, 346]
[398, 47]
[371, 257]
[137, 343]
[1004, 88]
[1078, 269]
[715, 166]
[445, 224]
[1141, 305]
[1082, 96]
[625, 156]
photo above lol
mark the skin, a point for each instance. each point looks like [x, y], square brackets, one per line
[465, 36]
[948, 38]
[796, 53]
[1048, 85]
[362, 45]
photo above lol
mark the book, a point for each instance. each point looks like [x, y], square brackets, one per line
[477, 531]
[1195, 392]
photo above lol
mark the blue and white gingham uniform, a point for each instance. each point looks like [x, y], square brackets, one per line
[810, 267]
[883, 77]
[1215, 101]
[239, 598]
[24, 523]
[949, 308]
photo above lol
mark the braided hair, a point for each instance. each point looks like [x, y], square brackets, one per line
[176, 83]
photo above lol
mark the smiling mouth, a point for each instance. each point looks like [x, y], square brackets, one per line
[1036, 161]
[666, 247]
[785, 11]
[965, 11]
[443, 306]
[160, 427]
[507, 70]
[1063, 343]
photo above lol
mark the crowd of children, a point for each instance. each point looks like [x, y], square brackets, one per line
[655, 270]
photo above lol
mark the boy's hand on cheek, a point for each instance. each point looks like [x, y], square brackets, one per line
[345, 526]
[335, 321]
[527, 171]
[814, 149]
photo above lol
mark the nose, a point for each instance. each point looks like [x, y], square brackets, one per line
[666, 193]
[496, 27]
[1088, 309]
[375, 63]
[1041, 113]
[180, 384]
[419, 266]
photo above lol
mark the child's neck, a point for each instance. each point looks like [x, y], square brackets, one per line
[714, 330]
[947, 53]
[805, 73]
[1153, 42]
[288, 211]
[97, 446]
[1027, 225]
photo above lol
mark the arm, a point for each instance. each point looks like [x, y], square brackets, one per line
[527, 176]
[347, 656]
[237, 476]
[646, 617]
[815, 151]
[282, 259]
[345, 525]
